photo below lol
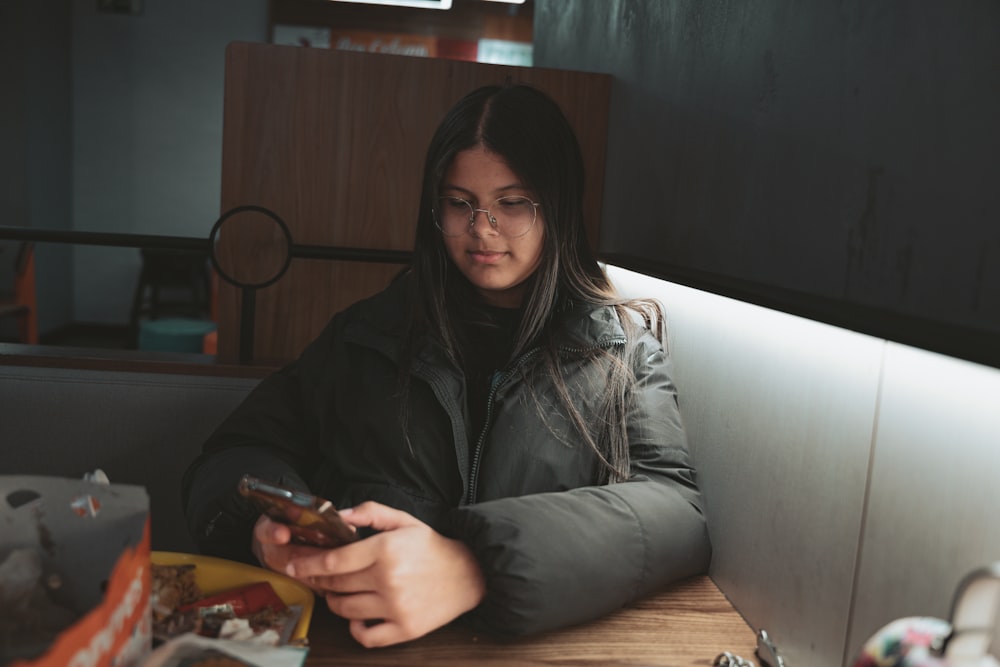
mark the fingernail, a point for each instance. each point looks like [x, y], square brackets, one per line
[349, 510]
[290, 570]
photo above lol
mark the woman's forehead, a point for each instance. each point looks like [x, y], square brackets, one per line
[478, 171]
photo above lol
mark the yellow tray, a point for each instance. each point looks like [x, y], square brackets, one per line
[215, 575]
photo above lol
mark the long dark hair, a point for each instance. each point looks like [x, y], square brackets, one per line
[528, 130]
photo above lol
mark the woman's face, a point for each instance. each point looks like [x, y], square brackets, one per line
[496, 265]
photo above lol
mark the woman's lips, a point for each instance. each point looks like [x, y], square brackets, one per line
[486, 256]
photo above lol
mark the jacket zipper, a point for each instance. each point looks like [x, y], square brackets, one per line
[477, 453]
[480, 441]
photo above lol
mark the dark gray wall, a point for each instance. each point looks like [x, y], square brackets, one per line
[147, 131]
[112, 123]
[848, 149]
[12, 112]
[35, 118]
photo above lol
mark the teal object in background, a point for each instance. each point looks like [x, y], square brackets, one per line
[174, 334]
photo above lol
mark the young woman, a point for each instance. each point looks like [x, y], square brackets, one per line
[503, 426]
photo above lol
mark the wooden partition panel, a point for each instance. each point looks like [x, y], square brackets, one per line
[333, 142]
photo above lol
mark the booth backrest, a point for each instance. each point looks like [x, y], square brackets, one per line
[140, 428]
[848, 480]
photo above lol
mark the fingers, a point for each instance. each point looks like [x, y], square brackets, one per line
[267, 540]
[346, 559]
[356, 606]
[273, 548]
[366, 613]
[378, 516]
[271, 532]
[374, 635]
[361, 582]
[359, 555]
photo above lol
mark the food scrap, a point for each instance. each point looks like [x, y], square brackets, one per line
[252, 613]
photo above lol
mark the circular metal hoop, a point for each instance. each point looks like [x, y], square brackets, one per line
[213, 237]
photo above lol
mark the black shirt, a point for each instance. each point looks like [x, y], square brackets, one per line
[486, 343]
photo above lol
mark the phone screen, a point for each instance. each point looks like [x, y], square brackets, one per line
[312, 520]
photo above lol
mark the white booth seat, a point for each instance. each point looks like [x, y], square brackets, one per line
[848, 480]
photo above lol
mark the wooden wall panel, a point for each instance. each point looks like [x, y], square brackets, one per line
[333, 142]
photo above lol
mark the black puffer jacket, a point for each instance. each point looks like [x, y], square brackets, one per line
[555, 549]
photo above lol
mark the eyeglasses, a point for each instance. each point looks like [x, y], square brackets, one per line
[510, 216]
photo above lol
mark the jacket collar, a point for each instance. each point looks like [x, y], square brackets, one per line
[586, 325]
[380, 322]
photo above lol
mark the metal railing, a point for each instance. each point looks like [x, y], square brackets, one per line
[209, 245]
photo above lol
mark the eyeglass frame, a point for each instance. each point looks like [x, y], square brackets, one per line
[490, 218]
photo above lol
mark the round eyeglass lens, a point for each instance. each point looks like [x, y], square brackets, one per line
[453, 216]
[513, 215]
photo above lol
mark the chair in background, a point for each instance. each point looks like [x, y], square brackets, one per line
[173, 295]
[20, 303]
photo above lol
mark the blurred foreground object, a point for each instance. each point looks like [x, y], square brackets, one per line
[962, 641]
[74, 573]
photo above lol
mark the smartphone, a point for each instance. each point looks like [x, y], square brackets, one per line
[312, 520]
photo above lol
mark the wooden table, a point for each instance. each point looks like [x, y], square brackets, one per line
[686, 624]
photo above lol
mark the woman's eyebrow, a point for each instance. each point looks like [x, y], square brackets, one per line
[505, 188]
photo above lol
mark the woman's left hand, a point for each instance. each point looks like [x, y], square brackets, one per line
[398, 584]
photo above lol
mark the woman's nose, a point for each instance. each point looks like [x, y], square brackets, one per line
[491, 227]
